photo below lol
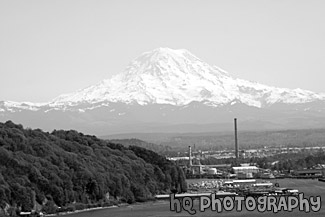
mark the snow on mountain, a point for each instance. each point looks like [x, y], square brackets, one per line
[177, 77]
[14, 106]
[168, 90]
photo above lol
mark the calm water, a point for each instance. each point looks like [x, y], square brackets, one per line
[161, 208]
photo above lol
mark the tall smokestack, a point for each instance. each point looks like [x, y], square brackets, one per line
[236, 140]
[190, 155]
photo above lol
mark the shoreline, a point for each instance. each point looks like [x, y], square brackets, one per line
[82, 210]
[99, 208]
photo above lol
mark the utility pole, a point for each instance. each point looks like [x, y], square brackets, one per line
[236, 140]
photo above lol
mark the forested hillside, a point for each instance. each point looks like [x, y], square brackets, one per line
[63, 167]
[179, 142]
[161, 149]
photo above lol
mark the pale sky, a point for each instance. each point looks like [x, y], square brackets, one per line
[48, 48]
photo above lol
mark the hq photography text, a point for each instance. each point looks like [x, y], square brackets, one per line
[273, 204]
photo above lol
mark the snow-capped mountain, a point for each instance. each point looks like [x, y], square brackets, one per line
[167, 87]
[177, 77]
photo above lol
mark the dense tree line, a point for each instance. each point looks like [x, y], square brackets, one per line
[298, 161]
[217, 141]
[63, 167]
[160, 149]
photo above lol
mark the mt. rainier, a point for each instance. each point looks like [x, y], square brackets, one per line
[177, 77]
[165, 89]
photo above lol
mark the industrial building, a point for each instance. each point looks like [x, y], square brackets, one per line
[194, 167]
[245, 172]
[307, 173]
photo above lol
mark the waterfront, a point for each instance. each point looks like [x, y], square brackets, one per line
[311, 187]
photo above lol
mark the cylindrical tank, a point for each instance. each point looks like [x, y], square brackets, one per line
[212, 171]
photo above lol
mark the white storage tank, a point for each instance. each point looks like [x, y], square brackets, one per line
[212, 171]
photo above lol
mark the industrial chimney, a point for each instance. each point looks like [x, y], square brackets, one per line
[190, 155]
[236, 140]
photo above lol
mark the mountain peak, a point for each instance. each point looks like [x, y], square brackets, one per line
[167, 50]
[167, 86]
[165, 55]
[177, 77]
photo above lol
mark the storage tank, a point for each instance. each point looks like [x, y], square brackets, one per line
[244, 175]
[212, 171]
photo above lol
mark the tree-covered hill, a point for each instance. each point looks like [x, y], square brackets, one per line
[160, 149]
[63, 167]
[179, 142]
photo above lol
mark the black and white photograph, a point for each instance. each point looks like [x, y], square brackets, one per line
[138, 108]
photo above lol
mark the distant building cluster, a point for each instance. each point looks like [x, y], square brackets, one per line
[194, 169]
